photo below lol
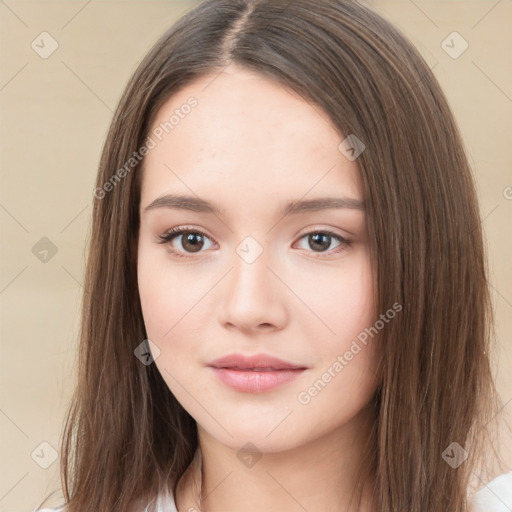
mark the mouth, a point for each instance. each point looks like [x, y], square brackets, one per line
[258, 362]
[245, 369]
[254, 374]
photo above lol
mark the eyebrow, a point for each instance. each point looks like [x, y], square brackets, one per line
[196, 204]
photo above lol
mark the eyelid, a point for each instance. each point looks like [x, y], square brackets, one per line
[172, 233]
[322, 229]
[175, 232]
[344, 242]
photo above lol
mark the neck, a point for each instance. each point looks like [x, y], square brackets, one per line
[316, 476]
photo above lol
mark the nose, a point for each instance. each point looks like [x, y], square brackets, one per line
[253, 298]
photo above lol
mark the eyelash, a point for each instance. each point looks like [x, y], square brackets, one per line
[175, 232]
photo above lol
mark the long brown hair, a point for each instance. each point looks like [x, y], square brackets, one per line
[126, 437]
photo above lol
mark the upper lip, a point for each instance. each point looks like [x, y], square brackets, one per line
[243, 362]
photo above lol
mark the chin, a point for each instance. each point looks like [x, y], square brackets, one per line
[266, 436]
[244, 439]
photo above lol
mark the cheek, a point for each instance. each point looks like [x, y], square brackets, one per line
[337, 393]
[347, 349]
[343, 306]
[165, 294]
[173, 306]
[156, 300]
[344, 378]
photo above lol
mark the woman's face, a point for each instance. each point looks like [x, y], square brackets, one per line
[252, 275]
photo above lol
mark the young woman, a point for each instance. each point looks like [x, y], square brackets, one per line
[287, 305]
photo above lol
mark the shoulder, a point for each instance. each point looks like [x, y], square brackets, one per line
[496, 496]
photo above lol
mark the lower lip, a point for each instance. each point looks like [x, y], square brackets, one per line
[255, 381]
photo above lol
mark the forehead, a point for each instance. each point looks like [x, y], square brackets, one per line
[249, 133]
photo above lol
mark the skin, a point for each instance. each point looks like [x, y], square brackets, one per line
[249, 147]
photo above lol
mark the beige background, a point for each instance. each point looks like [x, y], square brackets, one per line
[54, 117]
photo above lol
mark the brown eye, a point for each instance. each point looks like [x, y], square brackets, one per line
[191, 241]
[320, 242]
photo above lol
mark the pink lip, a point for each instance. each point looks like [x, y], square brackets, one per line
[254, 374]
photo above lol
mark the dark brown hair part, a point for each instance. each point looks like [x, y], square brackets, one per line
[126, 437]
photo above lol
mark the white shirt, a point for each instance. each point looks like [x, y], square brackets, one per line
[496, 496]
